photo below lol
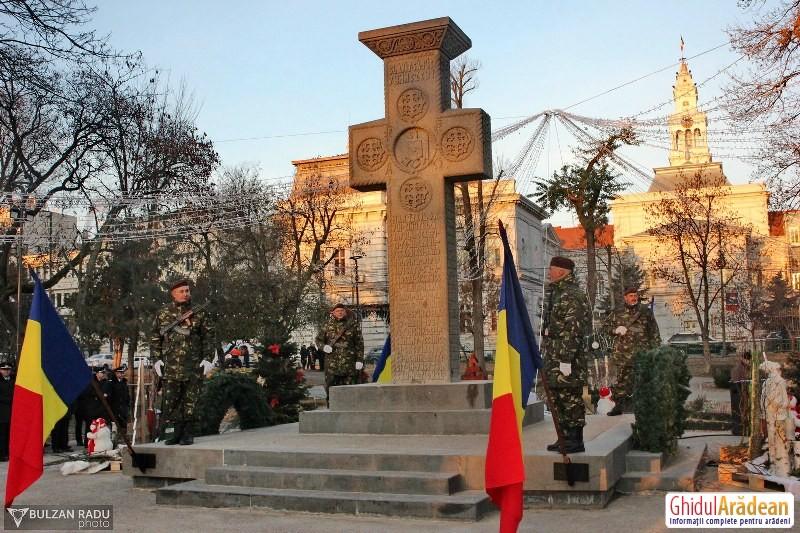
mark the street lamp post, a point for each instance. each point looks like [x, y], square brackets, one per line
[355, 256]
[20, 210]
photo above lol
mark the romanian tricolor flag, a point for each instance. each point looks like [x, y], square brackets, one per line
[383, 368]
[516, 361]
[50, 376]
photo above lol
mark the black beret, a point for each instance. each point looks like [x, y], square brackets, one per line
[182, 282]
[562, 262]
[631, 289]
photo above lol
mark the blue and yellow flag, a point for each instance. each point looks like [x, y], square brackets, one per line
[383, 368]
[51, 375]
[516, 362]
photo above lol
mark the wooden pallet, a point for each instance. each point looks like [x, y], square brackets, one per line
[759, 482]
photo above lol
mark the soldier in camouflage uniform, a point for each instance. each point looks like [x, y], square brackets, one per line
[566, 324]
[634, 330]
[341, 342]
[181, 349]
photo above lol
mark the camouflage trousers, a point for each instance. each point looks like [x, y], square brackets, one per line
[623, 388]
[177, 405]
[569, 406]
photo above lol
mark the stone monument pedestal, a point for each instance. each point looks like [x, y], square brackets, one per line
[459, 408]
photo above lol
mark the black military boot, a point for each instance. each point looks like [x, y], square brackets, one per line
[172, 434]
[553, 447]
[574, 442]
[187, 435]
[617, 410]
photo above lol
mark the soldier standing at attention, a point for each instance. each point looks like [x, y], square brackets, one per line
[343, 348]
[181, 345]
[634, 330]
[566, 324]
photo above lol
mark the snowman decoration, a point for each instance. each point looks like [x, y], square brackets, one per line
[605, 403]
[99, 437]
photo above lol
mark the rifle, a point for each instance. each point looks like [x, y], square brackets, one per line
[188, 314]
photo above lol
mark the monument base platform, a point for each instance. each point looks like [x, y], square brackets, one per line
[458, 408]
[424, 476]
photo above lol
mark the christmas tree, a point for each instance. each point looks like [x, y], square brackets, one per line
[626, 273]
[283, 381]
[791, 372]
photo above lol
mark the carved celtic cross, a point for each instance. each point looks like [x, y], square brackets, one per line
[416, 153]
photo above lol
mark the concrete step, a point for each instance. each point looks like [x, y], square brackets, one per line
[344, 460]
[462, 395]
[396, 482]
[680, 474]
[467, 505]
[433, 422]
[640, 461]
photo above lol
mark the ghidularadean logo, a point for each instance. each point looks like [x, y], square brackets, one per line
[729, 509]
[17, 514]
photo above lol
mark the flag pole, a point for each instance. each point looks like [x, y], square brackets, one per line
[559, 433]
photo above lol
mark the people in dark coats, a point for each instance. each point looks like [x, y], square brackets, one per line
[6, 395]
[121, 398]
[90, 405]
[59, 437]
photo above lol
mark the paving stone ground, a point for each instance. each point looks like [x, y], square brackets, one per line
[135, 510]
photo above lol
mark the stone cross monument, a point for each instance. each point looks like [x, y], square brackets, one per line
[416, 153]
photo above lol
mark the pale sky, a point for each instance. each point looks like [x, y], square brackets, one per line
[278, 71]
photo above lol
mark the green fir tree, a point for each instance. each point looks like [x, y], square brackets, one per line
[283, 381]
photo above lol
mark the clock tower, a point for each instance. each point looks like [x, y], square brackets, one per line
[688, 126]
[688, 131]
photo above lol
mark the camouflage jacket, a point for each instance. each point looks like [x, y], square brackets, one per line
[348, 349]
[184, 347]
[641, 330]
[566, 327]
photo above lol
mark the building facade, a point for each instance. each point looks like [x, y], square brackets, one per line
[357, 275]
[636, 225]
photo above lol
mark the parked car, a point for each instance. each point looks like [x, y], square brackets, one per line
[101, 359]
[692, 344]
[777, 341]
[373, 356]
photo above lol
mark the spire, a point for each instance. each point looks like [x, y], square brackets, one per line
[688, 125]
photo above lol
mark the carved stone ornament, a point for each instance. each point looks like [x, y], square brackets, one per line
[415, 194]
[371, 154]
[436, 34]
[687, 121]
[457, 144]
[412, 104]
[412, 150]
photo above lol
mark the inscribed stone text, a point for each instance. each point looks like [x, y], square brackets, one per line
[412, 104]
[415, 194]
[412, 71]
[456, 144]
[371, 154]
[412, 149]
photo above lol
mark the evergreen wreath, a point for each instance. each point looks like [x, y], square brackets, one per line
[239, 390]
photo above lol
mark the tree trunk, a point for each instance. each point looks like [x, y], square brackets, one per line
[133, 346]
[476, 283]
[610, 272]
[117, 344]
[591, 267]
